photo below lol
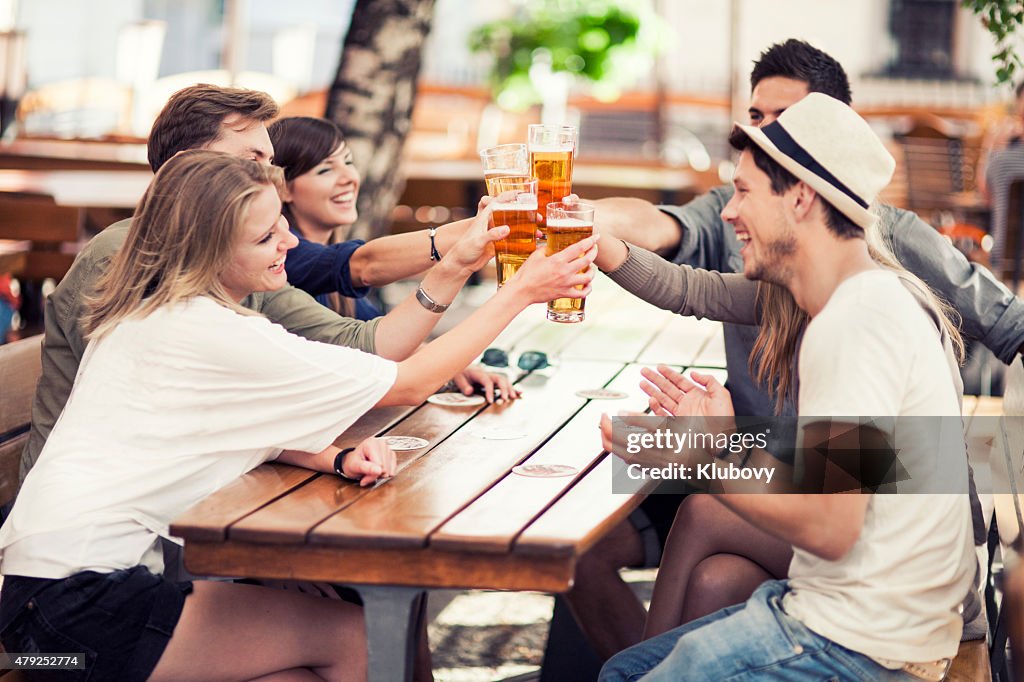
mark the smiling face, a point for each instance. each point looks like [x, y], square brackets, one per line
[761, 223]
[773, 95]
[260, 245]
[324, 197]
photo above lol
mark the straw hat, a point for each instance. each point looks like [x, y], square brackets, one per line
[827, 145]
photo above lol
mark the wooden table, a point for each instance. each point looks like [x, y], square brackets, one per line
[455, 516]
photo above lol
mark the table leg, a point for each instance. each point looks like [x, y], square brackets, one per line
[391, 614]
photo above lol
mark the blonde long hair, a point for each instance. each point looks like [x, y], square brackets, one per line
[181, 237]
[772, 360]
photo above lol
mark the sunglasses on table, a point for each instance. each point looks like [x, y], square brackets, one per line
[528, 361]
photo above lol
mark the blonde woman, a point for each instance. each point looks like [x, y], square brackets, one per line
[180, 391]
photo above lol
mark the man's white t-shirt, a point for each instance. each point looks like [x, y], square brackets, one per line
[165, 410]
[874, 352]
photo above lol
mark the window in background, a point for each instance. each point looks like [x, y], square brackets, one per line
[193, 39]
[922, 32]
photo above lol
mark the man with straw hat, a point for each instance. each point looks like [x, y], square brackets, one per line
[876, 580]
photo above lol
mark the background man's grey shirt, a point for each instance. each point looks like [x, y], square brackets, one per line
[990, 312]
[63, 343]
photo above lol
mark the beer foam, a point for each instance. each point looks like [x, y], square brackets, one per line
[529, 204]
[569, 223]
[551, 148]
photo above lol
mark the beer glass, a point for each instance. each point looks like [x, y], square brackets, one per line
[551, 153]
[567, 224]
[520, 214]
[503, 161]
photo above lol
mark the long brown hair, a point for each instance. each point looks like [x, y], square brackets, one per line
[773, 357]
[181, 237]
[301, 143]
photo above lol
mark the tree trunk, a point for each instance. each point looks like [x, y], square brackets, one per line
[372, 98]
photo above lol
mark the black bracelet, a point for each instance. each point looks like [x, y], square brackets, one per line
[339, 460]
[434, 254]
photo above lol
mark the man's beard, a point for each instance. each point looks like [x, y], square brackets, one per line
[773, 264]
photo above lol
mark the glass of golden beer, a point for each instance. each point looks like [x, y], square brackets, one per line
[503, 161]
[520, 213]
[567, 224]
[551, 154]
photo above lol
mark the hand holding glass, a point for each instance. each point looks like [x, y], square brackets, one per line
[567, 225]
[518, 210]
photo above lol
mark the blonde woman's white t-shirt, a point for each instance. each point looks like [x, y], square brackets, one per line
[165, 410]
[874, 352]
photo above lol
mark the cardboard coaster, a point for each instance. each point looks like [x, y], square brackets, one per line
[456, 400]
[545, 470]
[602, 394]
[500, 434]
[406, 442]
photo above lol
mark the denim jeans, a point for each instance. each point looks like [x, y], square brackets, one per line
[756, 640]
[120, 621]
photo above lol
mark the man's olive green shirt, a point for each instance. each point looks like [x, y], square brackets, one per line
[63, 344]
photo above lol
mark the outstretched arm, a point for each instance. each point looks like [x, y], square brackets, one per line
[726, 297]
[401, 331]
[637, 222]
[388, 259]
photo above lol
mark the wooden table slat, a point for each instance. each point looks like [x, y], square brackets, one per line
[622, 335]
[606, 299]
[567, 528]
[713, 352]
[720, 374]
[494, 520]
[291, 519]
[372, 423]
[549, 337]
[209, 520]
[523, 325]
[422, 567]
[680, 341]
[405, 510]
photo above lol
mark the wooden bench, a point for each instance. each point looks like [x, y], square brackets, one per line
[46, 226]
[19, 372]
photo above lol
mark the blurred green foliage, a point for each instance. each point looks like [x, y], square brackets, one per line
[1001, 18]
[585, 38]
